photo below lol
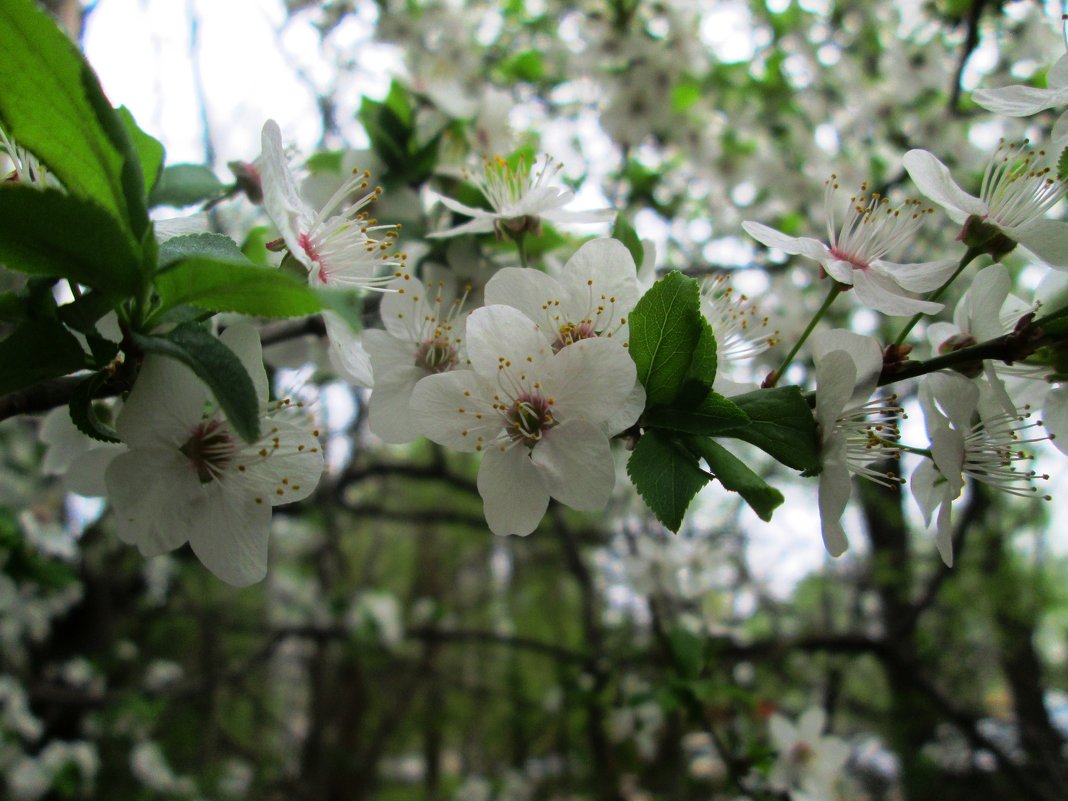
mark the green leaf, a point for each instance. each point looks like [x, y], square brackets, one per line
[684, 96]
[703, 364]
[625, 233]
[149, 149]
[47, 232]
[666, 475]
[185, 184]
[782, 425]
[217, 366]
[528, 65]
[713, 416]
[36, 351]
[52, 105]
[12, 308]
[1062, 165]
[83, 412]
[665, 329]
[398, 102]
[735, 476]
[325, 161]
[83, 313]
[255, 246]
[214, 247]
[223, 286]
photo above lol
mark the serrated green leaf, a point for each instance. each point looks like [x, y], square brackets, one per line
[782, 426]
[36, 351]
[666, 475]
[223, 286]
[735, 476]
[715, 415]
[625, 233]
[185, 184]
[665, 328]
[149, 149]
[704, 362]
[217, 366]
[47, 232]
[213, 247]
[83, 411]
[51, 104]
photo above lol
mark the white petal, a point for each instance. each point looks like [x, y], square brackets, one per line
[810, 726]
[389, 414]
[499, 335]
[865, 353]
[86, 473]
[957, 395]
[150, 490]
[578, 216]
[229, 533]
[281, 198]
[444, 407]
[880, 293]
[244, 340]
[531, 291]
[919, 277]
[1057, 77]
[933, 179]
[1015, 101]
[1055, 416]
[939, 333]
[944, 537]
[403, 309]
[836, 378]
[984, 300]
[1059, 134]
[347, 354]
[834, 491]
[841, 271]
[575, 462]
[167, 401]
[283, 467]
[783, 732]
[797, 245]
[480, 225]
[1047, 239]
[1052, 291]
[513, 495]
[590, 379]
[632, 409]
[924, 484]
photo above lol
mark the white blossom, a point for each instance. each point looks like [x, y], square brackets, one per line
[854, 253]
[808, 762]
[536, 416]
[188, 477]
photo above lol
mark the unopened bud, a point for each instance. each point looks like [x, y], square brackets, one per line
[247, 178]
[980, 235]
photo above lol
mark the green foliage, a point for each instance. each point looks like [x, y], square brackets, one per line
[666, 475]
[85, 414]
[714, 415]
[47, 232]
[217, 366]
[390, 125]
[224, 286]
[36, 351]
[52, 104]
[528, 65]
[625, 233]
[185, 184]
[665, 328]
[782, 425]
[215, 247]
[736, 476]
[149, 150]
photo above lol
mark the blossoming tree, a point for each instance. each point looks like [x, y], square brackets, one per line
[517, 365]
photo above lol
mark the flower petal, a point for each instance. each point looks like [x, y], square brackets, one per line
[150, 490]
[167, 401]
[590, 379]
[918, 277]
[880, 293]
[1047, 239]
[797, 245]
[501, 335]
[449, 409]
[244, 340]
[533, 292]
[1055, 417]
[347, 354]
[575, 462]
[834, 491]
[513, 495]
[281, 199]
[932, 178]
[229, 533]
[1015, 101]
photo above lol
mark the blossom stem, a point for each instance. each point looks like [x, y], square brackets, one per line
[836, 290]
[521, 246]
[965, 260]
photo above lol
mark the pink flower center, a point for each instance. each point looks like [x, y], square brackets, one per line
[210, 449]
[436, 356]
[529, 418]
[571, 333]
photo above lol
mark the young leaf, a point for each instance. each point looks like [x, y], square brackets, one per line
[782, 425]
[83, 412]
[217, 366]
[149, 149]
[222, 286]
[625, 233]
[36, 351]
[185, 184]
[666, 475]
[53, 106]
[703, 364]
[713, 416]
[735, 476]
[665, 329]
[47, 232]
[216, 247]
